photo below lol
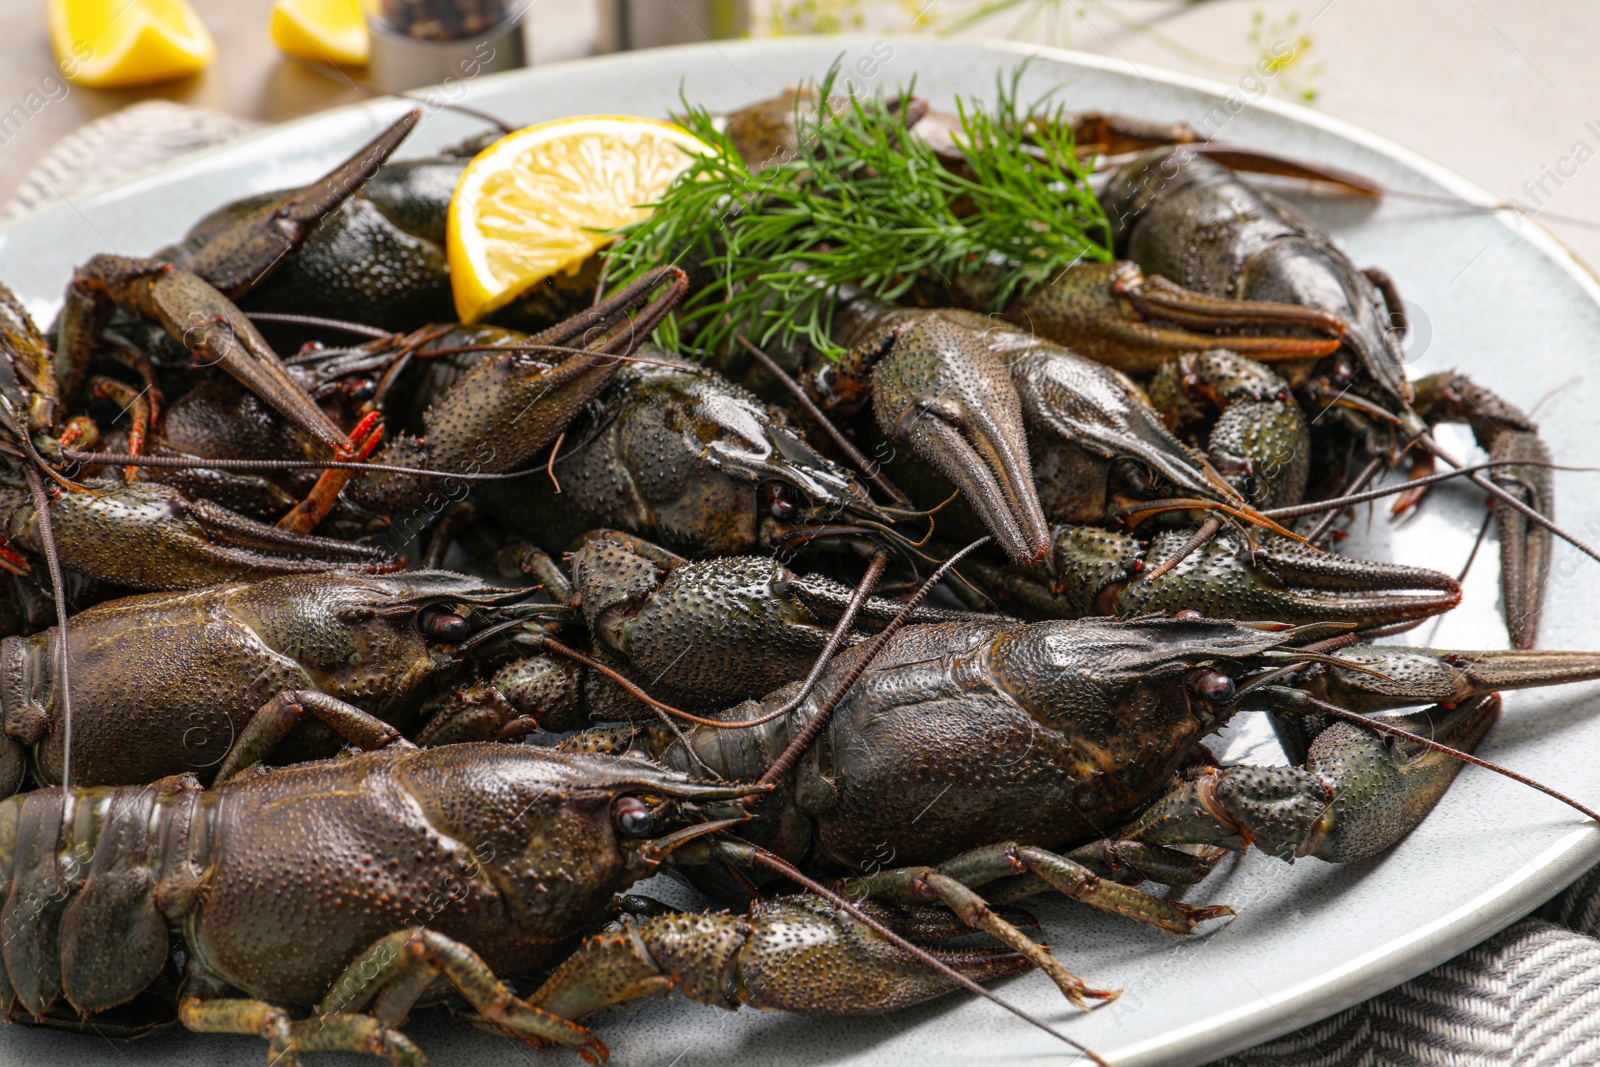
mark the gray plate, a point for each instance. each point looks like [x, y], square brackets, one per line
[1491, 296]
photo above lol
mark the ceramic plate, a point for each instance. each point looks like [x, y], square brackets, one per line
[1490, 295]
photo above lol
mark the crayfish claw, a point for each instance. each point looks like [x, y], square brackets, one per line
[523, 392]
[1381, 677]
[146, 535]
[194, 314]
[946, 393]
[240, 254]
[1114, 314]
[1357, 794]
[1098, 572]
[1509, 435]
[1525, 546]
[1246, 418]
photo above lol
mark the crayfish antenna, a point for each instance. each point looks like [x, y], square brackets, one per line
[319, 322]
[1207, 530]
[1243, 512]
[1318, 507]
[47, 541]
[1362, 479]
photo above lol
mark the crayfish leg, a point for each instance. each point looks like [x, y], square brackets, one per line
[278, 716]
[524, 560]
[1020, 871]
[400, 967]
[794, 953]
[392, 974]
[139, 410]
[358, 447]
[926, 885]
[1131, 862]
[236, 1015]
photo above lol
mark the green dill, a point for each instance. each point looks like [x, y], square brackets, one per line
[863, 203]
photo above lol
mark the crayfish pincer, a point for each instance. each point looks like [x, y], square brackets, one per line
[189, 290]
[316, 905]
[136, 535]
[1029, 431]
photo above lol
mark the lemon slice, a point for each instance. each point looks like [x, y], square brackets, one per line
[530, 204]
[323, 31]
[112, 43]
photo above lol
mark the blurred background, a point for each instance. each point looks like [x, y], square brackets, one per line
[1505, 92]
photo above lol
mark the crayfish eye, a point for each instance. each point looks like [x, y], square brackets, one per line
[632, 817]
[443, 625]
[1140, 485]
[364, 389]
[780, 500]
[1213, 687]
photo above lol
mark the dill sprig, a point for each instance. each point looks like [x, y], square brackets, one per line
[864, 203]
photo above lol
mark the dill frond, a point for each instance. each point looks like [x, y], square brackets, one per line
[864, 203]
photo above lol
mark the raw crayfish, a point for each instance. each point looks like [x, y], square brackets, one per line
[998, 754]
[754, 726]
[472, 862]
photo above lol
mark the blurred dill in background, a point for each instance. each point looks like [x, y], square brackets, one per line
[1059, 23]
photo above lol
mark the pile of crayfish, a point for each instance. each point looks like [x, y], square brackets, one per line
[272, 769]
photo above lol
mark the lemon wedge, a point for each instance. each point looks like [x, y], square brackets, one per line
[323, 31]
[106, 44]
[536, 202]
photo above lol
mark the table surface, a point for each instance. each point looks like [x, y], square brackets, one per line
[1501, 91]
[250, 78]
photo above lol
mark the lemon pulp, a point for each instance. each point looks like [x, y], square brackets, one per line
[327, 31]
[114, 43]
[538, 201]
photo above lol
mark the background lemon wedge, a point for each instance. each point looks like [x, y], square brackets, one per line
[323, 31]
[529, 205]
[111, 43]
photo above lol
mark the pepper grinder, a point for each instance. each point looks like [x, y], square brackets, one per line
[429, 42]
